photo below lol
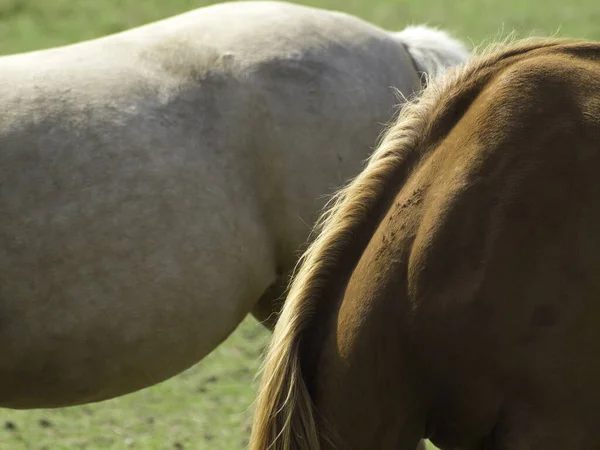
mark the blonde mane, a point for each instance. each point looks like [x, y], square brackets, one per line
[284, 413]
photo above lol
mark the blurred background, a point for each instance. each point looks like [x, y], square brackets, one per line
[209, 406]
[34, 24]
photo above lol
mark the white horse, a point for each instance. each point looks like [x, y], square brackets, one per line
[156, 182]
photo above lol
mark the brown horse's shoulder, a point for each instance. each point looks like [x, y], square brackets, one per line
[512, 147]
[497, 268]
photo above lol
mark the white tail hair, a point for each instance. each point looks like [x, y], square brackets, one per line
[432, 50]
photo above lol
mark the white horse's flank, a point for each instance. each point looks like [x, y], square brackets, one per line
[154, 183]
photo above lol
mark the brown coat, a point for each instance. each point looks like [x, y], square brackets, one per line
[452, 292]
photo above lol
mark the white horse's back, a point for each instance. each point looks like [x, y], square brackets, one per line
[432, 50]
[154, 183]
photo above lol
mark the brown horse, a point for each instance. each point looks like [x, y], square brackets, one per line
[452, 291]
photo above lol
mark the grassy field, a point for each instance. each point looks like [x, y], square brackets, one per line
[207, 407]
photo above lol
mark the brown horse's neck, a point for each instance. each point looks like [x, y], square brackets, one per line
[342, 356]
[357, 358]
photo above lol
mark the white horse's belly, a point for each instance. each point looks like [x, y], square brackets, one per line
[105, 307]
[122, 262]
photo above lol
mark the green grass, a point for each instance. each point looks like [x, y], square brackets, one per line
[207, 407]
